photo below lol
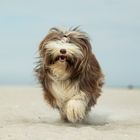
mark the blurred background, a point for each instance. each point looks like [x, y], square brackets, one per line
[113, 26]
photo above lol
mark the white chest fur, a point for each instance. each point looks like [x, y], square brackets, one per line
[63, 91]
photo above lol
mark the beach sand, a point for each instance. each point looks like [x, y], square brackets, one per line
[24, 115]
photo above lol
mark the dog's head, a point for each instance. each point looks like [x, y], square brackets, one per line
[65, 54]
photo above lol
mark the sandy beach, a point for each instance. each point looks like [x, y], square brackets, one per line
[24, 115]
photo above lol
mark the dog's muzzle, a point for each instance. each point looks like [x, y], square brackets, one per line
[61, 58]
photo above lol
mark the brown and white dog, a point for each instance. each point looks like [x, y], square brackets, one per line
[69, 73]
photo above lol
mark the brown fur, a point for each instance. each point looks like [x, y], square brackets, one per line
[87, 71]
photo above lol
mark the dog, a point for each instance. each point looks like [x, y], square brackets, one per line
[69, 73]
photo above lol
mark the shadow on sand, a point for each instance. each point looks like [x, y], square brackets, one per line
[91, 121]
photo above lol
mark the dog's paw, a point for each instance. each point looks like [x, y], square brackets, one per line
[75, 110]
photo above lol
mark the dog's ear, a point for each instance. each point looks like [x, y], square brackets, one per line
[91, 80]
[81, 40]
[41, 69]
[44, 79]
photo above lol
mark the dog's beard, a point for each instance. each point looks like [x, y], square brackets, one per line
[60, 66]
[51, 59]
[69, 61]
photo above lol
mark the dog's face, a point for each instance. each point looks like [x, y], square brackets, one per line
[65, 53]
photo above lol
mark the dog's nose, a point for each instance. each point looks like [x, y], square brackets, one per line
[63, 51]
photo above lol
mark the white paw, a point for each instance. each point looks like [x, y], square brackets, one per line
[75, 110]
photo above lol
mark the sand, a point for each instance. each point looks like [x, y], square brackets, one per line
[25, 116]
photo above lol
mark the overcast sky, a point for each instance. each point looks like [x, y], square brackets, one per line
[113, 26]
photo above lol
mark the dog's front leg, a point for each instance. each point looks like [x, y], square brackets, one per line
[76, 107]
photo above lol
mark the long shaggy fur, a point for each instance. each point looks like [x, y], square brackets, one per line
[71, 82]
